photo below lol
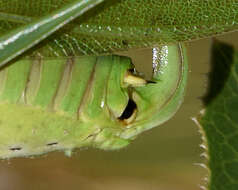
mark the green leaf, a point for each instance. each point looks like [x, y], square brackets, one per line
[219, 122]
[124, 24]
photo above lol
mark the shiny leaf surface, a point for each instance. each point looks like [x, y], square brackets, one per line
[120, 25]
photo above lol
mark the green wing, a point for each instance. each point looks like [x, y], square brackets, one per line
[21, 39]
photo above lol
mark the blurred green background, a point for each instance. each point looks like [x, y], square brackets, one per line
[163, 158]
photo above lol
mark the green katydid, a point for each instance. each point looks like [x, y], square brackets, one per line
[66, 103]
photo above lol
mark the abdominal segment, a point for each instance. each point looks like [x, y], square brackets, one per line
[56, 104]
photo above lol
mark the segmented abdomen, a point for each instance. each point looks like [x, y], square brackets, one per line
[58, 104]
[57, 84]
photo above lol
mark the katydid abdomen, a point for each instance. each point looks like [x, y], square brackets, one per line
[62, 104]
